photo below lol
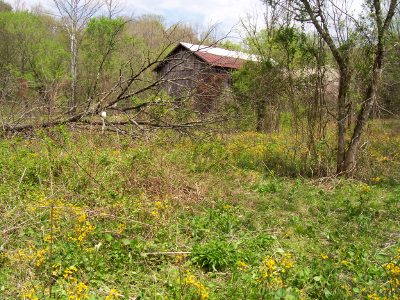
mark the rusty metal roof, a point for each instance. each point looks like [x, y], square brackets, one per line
[214, 56]
[221, 61]
[218, 51]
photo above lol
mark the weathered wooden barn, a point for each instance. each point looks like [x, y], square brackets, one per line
[201, 71]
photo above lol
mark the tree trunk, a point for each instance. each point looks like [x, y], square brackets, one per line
[260, 114]
[349, 163]
[341, 117]
[74, 54]
[362, 118]
[346, 161]
[73, 70]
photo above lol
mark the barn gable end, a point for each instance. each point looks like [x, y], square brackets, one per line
[189, 66]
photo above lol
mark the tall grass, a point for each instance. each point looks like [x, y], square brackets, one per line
[238, 216]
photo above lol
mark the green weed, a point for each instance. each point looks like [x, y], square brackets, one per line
[100, 217]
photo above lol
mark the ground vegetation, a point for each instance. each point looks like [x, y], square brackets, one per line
[101, 216]
[129, 193]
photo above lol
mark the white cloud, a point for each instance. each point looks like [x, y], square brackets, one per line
[226, 13]
[206, 12]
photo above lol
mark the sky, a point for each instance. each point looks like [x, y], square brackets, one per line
[205, 13]
[226, 13]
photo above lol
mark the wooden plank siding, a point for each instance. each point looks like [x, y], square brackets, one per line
[183, 70]
[183, 73]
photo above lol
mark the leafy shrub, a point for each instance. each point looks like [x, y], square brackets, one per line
[215, 255]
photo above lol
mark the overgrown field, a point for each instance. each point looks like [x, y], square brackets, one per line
[239, 216]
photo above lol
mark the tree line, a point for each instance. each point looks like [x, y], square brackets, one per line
[318, 63]
[64, 67]
[324, 64]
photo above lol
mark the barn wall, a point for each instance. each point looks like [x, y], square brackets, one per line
[179, 71]
[182, 71]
